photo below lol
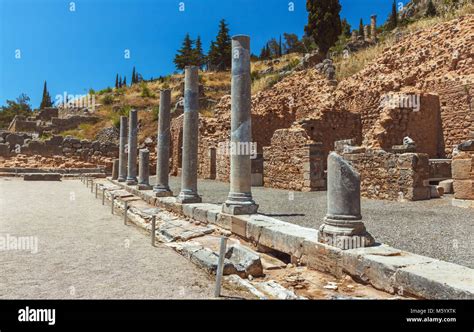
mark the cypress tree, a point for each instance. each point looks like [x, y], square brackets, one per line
[431, 9]
[46, 99]
[120, 82]
[116, 82]
[361, 28]
[280, 50]
[125, 81]
[324, 23]
[134, 78]
[393, 19]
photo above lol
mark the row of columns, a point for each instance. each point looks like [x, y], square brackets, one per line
[239, 200]
[343, 219]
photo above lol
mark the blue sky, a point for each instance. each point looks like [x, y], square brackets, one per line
[82, 49]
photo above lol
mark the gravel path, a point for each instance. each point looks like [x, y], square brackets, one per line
[84, 251]
[431, 228]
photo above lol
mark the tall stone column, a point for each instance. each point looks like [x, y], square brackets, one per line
[240, 199]
[163, 146]
[123, 149]
[132, 148]
[188, 192]
[366, 32]
[342, 226]
[373, 27]
[144, 170]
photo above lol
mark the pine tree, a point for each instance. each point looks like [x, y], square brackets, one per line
[116, 82]
[46, 99]
[219, 54]
[393, 19]
[324, 23]
[199, 57]
[185, 53]
[361, 28]
[431, 9]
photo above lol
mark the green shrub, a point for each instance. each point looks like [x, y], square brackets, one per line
[108, 100]
[146, 93]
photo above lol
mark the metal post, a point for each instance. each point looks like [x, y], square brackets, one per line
[153, 230]
[113, 198]
[92, 185]
[220, 266]
[87, 183]
[125, 212]
[103, 196]
[96, 188]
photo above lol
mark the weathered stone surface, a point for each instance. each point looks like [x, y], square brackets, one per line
[245, 260]
[464, 189]
[122, 149]
[181, 230]
[342, 226]
[447, 186]
[163, 146]
[436, 280]
[276, 290]
[239, 200]
[189, 193]
[461, 169]
[466, 146]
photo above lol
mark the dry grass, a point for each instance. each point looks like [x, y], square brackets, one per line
[346, 67]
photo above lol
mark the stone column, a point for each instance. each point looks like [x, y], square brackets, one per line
[163, 146]
[354, 36]
[132, 148]
[122, 176]
[188, 192]
[144, 170]
[342, 226]
[373, 27]
[115, 169]
[366, 32]
[240, 199]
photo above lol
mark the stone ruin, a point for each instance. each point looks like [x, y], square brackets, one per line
[49, 120]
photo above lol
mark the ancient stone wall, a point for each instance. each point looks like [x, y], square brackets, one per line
[391, 176]
[463, 173]
[407, 114]
[15, 144]
[293, 161]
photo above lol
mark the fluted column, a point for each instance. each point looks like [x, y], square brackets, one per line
[122, 176]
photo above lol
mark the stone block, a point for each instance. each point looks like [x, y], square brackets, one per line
[447, 186]
[436, 280]
[322, 257]
[245, 260]
[239, 226]
[461, 169]
[434, 193]
[378, 265]
[42, 177]
[464, 189]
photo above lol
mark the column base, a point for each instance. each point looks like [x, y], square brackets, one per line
[142, 186]
[187, 197]
[345, 234]
[162, 192]
[121, 179]
[131, 181]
